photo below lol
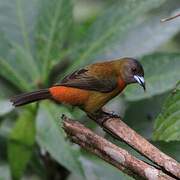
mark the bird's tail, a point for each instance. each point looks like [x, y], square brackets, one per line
[30, 97]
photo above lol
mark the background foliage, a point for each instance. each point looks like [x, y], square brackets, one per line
[42, 40]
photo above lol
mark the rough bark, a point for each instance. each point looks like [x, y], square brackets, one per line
[111, 153]
[120, 130]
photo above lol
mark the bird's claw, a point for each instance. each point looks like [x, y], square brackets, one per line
[102, 116]
[108, 115]
[111, 114]
[63, 116]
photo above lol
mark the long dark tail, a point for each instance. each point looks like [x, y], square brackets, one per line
[30, 97]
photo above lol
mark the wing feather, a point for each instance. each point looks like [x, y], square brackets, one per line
[84, 80]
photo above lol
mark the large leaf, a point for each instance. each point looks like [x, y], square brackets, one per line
[18, 19]
[19, 67]
[17, 29]
[170, 148]
[144, 39]
[25, 62]
[53, 30]
[8, 73]
[51, 137]
[22, 139]
[167, 125]
[111, 27]
[161, 75]
[97, 169]
[144, 111]
[5, 107]
[4, 171]
[8, 64]
[7, 89]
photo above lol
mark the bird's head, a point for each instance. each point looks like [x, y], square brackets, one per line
[131, 71]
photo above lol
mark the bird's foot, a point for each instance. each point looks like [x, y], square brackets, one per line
[63, 116]
[108, 115]
[111, 114]
[102, 116]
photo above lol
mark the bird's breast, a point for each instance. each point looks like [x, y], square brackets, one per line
[97, 100]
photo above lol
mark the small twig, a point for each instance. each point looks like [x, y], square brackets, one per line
[170, 18]
[119, 129]
[111, 153]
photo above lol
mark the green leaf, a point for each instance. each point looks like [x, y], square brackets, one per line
[143, 111]
[26, 61]
[7, 71]
[51, 137]
[110, 28]
[100, 170]
[161, 75]
[5, 130]
[143, 39]
[54, 28]
[21, 60]
[4, 171]
[7, 89]
[167, 123]
[19, 20]
[15, 57]
[17, 62]
[5, 107]
[170, 148]
[21, 142]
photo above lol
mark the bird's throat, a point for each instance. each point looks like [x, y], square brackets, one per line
[121, 84]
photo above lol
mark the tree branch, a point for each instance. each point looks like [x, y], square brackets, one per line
[120, 130]
[170, 18]
[111, 153]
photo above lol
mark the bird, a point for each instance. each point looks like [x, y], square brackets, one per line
[90, 87]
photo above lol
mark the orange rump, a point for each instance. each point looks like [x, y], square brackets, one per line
[69, 95]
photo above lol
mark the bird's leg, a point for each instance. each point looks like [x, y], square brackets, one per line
[110, 114]
[101, 116]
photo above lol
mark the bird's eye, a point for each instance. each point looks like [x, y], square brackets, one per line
[133, 69]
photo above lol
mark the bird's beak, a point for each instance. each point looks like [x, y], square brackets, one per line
[140, 80]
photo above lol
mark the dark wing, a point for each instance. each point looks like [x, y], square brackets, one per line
[82, 79]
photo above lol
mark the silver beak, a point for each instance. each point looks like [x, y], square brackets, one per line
[140, 80]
